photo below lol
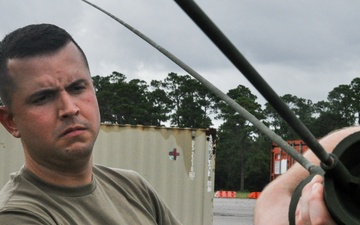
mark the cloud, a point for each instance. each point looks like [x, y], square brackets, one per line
[304, 48]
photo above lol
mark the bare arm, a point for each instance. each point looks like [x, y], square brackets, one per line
[273, 204]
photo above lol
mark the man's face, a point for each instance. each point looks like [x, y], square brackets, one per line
[54, 108]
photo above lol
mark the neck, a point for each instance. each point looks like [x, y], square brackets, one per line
[70, 178]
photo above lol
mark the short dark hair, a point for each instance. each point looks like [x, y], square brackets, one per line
[29, 41]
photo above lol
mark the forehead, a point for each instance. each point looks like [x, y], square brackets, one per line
[54, 71]
[63, 65]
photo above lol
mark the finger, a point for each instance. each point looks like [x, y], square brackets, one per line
[317, 179]
[302, 213]
[298, 217]
[318, 211]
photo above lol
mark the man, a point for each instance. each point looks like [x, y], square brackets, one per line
[50, 104]
[273, 204]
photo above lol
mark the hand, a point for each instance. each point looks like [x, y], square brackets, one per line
[311, 209]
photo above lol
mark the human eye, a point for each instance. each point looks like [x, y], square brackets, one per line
[42, 98]
[77, 87]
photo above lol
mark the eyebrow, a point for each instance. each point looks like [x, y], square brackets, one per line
[39, 93]
[47, 91]
[77, 82]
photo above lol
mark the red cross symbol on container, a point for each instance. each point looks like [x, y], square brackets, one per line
[173, 154]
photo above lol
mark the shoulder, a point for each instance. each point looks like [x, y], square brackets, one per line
[127, 183]
[117, 173]
[17, 203]
[123, 179]
[9, 191]
[133, 186]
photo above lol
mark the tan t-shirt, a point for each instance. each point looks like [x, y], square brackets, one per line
[115, 196]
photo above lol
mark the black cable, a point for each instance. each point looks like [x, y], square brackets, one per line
[243, 112]
[230, 51]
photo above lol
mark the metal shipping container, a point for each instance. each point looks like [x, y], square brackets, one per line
[280, 161]
[178, 163]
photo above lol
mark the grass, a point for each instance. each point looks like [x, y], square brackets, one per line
[242, 194]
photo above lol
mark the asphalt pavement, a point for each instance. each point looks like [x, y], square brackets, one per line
[233, 211]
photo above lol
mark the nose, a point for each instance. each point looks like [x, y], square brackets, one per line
[67, 106]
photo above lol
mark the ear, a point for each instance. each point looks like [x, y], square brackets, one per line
[7, 120]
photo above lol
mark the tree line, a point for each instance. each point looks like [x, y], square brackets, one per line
[243, 153]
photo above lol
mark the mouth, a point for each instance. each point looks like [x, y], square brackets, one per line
[73, 131]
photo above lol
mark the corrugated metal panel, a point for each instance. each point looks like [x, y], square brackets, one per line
[11, 155]
[185, 184]
[179, 163]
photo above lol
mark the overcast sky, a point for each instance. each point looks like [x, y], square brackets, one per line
[304, 48]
